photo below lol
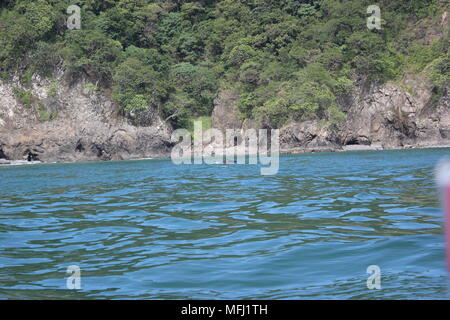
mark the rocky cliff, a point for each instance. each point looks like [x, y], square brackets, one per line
[389, 116]
[52, 121]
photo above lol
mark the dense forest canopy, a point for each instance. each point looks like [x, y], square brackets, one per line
[290, 60]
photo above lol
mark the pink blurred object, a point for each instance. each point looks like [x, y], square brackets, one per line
[443, 180]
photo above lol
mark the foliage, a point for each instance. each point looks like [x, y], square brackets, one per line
[198, 83]
[290, 60]
[90, 53]
[25, 97]
[45, 115]
[205, 121]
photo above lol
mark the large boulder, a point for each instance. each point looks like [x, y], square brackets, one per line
[307, 136]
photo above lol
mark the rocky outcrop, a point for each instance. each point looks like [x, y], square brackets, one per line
[307, 136]
[390, 116]
[55, 122]
[226, 113]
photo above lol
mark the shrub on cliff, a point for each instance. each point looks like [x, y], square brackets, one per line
[21, 27]
[136, 82]
[199, 83]
[90, 53]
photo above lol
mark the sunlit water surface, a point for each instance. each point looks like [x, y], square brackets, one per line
[151, 229]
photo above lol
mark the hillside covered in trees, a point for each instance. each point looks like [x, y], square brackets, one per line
[290, 60]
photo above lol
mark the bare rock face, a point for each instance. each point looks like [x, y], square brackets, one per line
[54, 122]
[63, 123]
[307, 136]
[390, 116]
[226, 113]
[433, 127]
[386, 116]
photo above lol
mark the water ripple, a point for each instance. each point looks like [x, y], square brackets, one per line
[150, 229]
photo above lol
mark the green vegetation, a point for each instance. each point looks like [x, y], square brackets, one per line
[24, 97]
[205, 121]
[290, 60]
[27, 99]
[45, 115]
[53, 89]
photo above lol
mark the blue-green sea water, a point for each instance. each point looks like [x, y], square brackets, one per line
[152, 230]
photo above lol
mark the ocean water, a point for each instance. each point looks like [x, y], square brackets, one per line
[152, 230]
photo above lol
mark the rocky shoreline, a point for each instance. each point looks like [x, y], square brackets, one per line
[5, 162]
[17, 162]
[86, 125]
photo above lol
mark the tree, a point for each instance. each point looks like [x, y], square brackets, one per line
[90, 53]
